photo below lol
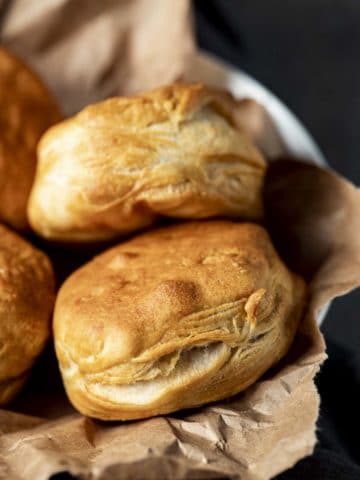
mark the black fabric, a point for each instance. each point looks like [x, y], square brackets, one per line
[308, 53]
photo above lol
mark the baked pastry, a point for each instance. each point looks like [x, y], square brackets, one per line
[27, 110]
[252, 118]
[26, 302]
[174, 318]
[118, 165]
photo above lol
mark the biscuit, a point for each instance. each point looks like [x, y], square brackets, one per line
[26, 302]
[27, 110]
[119, 165]
[175, 318]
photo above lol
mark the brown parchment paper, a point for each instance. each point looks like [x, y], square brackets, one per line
[88, 50]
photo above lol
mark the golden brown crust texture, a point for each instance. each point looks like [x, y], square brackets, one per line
[119, 164]
[27, 110]
[174, 318]
[26, 302]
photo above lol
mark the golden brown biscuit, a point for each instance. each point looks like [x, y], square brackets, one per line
[26, 301]
[174, 318]
[118, 165]
[27, 110]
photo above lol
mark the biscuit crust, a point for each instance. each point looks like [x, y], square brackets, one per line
[26, 302]
[175, 318]
[27, 110]
[119, 165]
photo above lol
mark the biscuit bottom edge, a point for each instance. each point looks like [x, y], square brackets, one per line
[204, 374]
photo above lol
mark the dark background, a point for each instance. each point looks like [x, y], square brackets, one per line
[308, 53]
